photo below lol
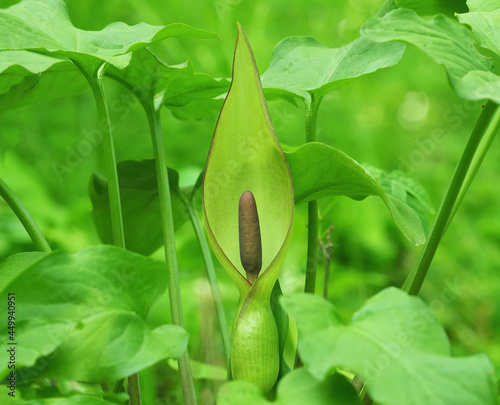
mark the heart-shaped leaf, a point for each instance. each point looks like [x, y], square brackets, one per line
[486, 25]
[11, 266]
[447, 43]
[185, 93]
[16, 65]
[396, 345]
[44, 25]
[301, 66]
[482, 5]
[297, 387]
[318, 170]
[431, 7]
[140, 205]
[82, 316]
[28, 77]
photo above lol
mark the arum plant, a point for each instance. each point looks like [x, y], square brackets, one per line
[248, 207]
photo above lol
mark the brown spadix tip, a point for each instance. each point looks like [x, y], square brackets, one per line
[249, 231]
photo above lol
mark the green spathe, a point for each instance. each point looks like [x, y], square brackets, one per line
[245, 155]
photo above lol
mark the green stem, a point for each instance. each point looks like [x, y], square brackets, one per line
[312, 207]
[134, 389]
[167, 224]
[212, 278]
[482, 149]
[93, 78]
[485, 129]
[25, 217]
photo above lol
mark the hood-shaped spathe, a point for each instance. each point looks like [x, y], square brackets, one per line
[245, 155]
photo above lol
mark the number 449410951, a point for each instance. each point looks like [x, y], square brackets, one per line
[11, 301]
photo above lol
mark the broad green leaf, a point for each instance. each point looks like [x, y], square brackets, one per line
[44, 26]
[19, 91]
[319, 170]
[431, 7]
[195, 96]
[16, 65]
[246, 157]
[407, 190]
[185, 93]
[23, 72]
[396, 345]
[73, 400]
[486, 27]
[301, 66]
[82, 316]
[446, 42]
[140, 205]
[11, 266]
[28, 77]
[483, 5]
[297, 387]
[481, 84]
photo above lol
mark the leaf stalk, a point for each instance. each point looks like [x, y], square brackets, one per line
[25, 217]
[487, 125]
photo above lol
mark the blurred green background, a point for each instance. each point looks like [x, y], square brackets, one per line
[405, 118]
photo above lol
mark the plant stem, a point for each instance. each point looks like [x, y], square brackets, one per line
[312, 207]
[212, 278]
[134, 389]
[486, 127]
[167, 224]
[25, 217]
[93, 78]
[482, 149]
[327, 249]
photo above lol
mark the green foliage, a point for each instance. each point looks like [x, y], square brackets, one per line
[139, 195]
[294, 59]
[186, 94]
[298, 387]
[396, 345]
[431, 7]
[84, 316]
[74, 400]
[319, 170]
[28, 77]
[485, 23]
[89, 306]
[44, 25]
[447, 43]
